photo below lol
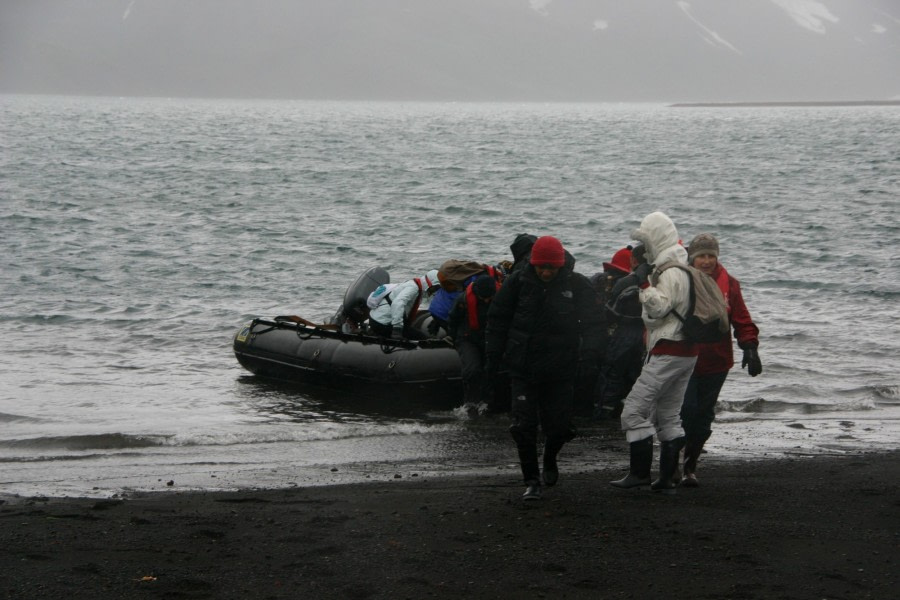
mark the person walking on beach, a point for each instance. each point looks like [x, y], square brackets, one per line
[538, 319]
[624, 354]
[654, 403]
[716, 358]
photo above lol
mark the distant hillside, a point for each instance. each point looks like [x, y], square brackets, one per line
[510, 50]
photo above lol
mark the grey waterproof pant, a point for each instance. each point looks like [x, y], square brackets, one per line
[654, 404]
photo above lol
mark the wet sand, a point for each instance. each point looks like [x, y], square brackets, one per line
[813, 527]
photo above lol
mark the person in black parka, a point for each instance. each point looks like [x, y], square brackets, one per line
[521, 250]
[625, 352]
[543, 320]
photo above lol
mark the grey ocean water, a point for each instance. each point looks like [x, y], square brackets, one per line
[137, 235]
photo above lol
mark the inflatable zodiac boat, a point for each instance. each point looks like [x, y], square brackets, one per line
[337, 354]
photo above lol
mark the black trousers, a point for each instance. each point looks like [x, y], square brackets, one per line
[544, 404]
[547, 405]
[476, 386]
[699, 408]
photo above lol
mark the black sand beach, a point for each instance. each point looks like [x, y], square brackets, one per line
[816, 528]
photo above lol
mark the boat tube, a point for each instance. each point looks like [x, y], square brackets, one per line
[340, 355]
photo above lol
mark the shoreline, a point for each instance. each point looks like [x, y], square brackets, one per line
[809, 103]
[479, 447]
[813, 527]
[475, 447]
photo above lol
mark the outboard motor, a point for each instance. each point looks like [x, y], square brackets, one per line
[353, 311]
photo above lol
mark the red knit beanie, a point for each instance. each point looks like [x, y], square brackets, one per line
[621, 261]
[548, 250]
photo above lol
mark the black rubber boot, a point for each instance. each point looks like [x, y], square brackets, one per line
[532, 492]
[641, 459]
[551, 470]
[692, 449]
[668, 464]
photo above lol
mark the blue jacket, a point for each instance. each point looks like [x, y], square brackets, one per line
[442, 302]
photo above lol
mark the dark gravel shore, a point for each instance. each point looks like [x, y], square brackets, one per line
[816, 528]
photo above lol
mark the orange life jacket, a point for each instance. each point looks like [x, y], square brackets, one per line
[415, 306]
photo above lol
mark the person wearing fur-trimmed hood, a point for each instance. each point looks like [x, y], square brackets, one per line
[654, 403]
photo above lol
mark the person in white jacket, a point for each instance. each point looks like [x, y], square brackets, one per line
[393, 315]
[654, 403]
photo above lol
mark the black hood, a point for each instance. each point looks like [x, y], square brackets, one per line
[521, 246]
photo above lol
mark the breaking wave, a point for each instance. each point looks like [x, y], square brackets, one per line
[121, 441]
[763, 406]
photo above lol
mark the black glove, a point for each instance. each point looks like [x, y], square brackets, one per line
[642, 272]
[752, 362]
[623, 284]
[397, 333]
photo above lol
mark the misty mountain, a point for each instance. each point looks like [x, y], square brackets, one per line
[478, 50]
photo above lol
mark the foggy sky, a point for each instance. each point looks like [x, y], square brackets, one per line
[461, 50]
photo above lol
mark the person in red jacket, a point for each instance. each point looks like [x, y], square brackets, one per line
[716, 358]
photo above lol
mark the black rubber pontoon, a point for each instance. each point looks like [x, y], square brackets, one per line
[286, 350]
[335, 355]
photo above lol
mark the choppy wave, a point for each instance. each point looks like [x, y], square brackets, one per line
[321, 431]
[764, 406]
[9, 418]
[107, 441]
[888, 394]
[54, 458]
